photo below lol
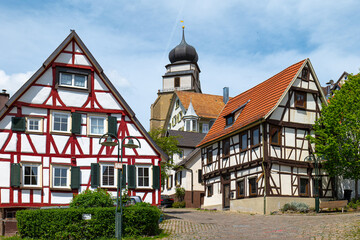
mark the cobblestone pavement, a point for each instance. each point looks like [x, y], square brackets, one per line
[193, 224]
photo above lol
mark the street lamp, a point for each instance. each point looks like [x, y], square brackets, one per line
[316, 160]
[109, 142]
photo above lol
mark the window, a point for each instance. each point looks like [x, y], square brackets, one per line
[252, 187]
[108, 175]
[229, 119]
[34, 124]
[305, 74]
[240, 189]
[255, 137]
[210, 190]
[177, 103]
[169, 182]
[205, 128]
[181, 154]
[275, 135]
[60, 177]
[244, 143]
[226, 147]
[200, 176]
[194, 123]
[304, 187]
[143, 179]
[73, 80]
[209, 155]
[177, 82]
[31, 175]
[178, 178]
[300, 99]
[211, 123]
[97, 125]
[61, 122]
[187, 125]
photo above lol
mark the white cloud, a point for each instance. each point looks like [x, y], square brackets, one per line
[14, 81]
[118, 80]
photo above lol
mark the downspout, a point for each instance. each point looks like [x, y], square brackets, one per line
[263, 167]
[192, 185]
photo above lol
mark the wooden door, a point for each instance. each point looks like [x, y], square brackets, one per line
[226, 195]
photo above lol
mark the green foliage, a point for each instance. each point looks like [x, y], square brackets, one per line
[338, 131]
[178, 204]
[354, 204]
[295, 206]
[138, 220]
[180, 193]
[89, 199]
[169, 145]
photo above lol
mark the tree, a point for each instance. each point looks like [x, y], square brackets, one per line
[169, 145]
[337, 132]
[97, 198]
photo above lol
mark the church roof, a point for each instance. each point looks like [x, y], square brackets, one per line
[205, 105]
[264, 99]
[183, 51]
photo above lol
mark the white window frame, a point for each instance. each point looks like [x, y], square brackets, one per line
[39, 175]
[205, 128]
[89, 117]
[68, 130]
[73, 80]
[101, 175]
[150, 176]
[40, 122]
[68, 176]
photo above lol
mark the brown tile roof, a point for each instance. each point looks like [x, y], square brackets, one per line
[205, 105]
[263, 98]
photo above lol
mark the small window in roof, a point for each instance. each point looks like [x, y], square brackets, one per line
[229, 119]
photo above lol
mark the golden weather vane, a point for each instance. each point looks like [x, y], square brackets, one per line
[182, 23]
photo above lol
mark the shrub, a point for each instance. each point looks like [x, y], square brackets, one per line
[180, 193]
[178, 204]
[139, 219]
[295, 206]
[90, 199]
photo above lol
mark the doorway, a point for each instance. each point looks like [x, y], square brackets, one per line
[226, 196]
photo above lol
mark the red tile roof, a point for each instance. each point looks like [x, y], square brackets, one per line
[263, 98]
[205, 105]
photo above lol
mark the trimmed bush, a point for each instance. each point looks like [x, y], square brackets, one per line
[138, 220]
[295, 206]
[178, 205]
[89, 199]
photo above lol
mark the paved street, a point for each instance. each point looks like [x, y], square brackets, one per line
[192, 224]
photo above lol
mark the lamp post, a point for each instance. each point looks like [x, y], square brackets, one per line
[313, 158]
[109, 142]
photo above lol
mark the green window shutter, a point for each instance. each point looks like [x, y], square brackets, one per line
[112, 125]
[156, 177]
[76, 123]
[131, 176]
[18, 124]
[75, 177]
[15, 175]
[124, 177]
[95, 175]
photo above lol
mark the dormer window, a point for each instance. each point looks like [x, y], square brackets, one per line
[305, 74]
[229, 119]
[73, 78]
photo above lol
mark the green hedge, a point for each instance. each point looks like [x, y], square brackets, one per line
[138, 220]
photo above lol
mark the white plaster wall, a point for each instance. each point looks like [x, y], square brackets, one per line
[5, 195]
[85, 176]
[73, 98]
[108, 101]
[46, 195]
[39, 142]
[34, 111]
[3, 137]
[5, 174]
[46, 177]
[81, 60]
[46, 78]
[84, 143]
[145, 149]
[60, 160]
[133, 131]
[99, 84]
[177, 68]
[25, 196]
[16, 195]
[36, 95]
[61, 197]
[37, 196]
[11, 147]
[60, 141]
[64, 58]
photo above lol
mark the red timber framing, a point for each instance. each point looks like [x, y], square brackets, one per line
[80, 149]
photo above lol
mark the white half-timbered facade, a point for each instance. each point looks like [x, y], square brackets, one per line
[50, 130]
[253, 158]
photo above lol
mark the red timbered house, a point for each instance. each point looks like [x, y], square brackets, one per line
[50, 130]
[254, 156]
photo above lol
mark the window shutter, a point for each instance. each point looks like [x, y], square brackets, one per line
[76, 123]
[112, 125]
[199, 176]
[18, 124]
[95, 175]
[132, 176]
[156, 177]
[75, 177]
[15, 174]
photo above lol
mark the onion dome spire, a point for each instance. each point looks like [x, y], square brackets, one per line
[183, 51]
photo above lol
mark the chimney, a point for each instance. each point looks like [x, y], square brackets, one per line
[226, 94]
[4, 97]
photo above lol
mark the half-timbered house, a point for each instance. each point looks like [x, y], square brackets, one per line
[50, 130]
[254, 156]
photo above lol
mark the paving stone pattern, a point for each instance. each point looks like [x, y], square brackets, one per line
[192, 224]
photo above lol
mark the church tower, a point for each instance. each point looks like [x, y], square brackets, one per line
[182, 74]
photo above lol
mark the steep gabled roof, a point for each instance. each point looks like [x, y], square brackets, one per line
[187, 139]
[53, 56]
[205, 105]
[264, 98]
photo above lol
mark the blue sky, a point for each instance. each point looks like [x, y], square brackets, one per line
[239, 43]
